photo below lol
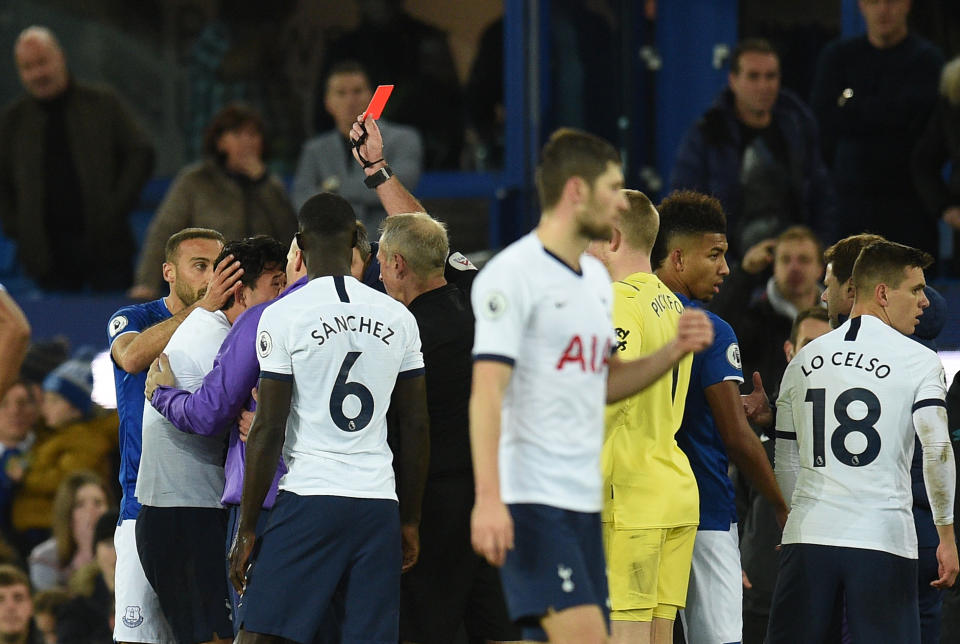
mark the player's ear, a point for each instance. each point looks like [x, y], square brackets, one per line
[616, 238]
[676, 258]
[574, 189]
[881, 294]
[788, 350]
[169, 273]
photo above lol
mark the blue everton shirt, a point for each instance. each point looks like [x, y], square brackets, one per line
[134, 318]
[698, 436]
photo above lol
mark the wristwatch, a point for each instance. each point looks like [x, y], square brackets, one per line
[378, 177]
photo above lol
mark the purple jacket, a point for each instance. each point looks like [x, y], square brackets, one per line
[215, 406]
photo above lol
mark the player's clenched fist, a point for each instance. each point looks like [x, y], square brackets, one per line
[695, 331]
[491, 531]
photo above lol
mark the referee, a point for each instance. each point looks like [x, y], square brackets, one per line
[450, 584]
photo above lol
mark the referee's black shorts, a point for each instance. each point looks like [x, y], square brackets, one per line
[181, 550]
[451, 584]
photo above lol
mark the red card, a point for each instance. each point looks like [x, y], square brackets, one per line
[378, 102]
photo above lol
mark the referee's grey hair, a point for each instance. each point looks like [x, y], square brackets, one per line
[419, 238]
[950, 82]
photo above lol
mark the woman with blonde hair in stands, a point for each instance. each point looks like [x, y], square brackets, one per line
[81, 499]
[939, 144]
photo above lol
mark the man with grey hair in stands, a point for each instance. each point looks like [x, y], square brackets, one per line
[72, 163]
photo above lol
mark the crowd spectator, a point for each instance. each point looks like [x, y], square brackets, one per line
[397, 49]
[86, 618]
[230, 191]
[16, 608]
[72, 163]
[79, 436]
[872, 95]
[762, 310]
[938, 145]
[757, 149]
[46, 604]
[82, 498]
[19, 414]
[327, 164]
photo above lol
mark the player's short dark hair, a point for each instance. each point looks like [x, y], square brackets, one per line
[363, 242]
[571, 153]
[232, 116]
[640, 222]
[325, 215]
[686, 212]
[750, 46]
[884, 262]
[172, 248]
[813, 313]
[843, 255]
[345, 67]
[256, 255]
[10, 575]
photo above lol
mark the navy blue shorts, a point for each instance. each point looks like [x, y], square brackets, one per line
[556, 563]
[878, 591]
[181, 550]
[319, 547]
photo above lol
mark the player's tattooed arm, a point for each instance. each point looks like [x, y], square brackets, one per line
[264, 445]
[742, 443]
[491, 527]
[408, 414]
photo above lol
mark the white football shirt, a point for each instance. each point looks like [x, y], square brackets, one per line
[555, 327]
[178, 469]
[847, 400]
[343, 345]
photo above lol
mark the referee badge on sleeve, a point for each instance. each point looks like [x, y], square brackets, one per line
[264, 344]
[733, 355]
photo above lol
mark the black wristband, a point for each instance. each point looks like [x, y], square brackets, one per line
[378, 177]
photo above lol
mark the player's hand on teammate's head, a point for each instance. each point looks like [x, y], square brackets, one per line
[756, 405]
[226, 276]
[160, 375]
[410, 543]
[372, 147]
[491, 531]
[694, 331]
[948, 565]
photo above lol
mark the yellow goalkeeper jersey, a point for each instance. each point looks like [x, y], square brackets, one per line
[648, 482]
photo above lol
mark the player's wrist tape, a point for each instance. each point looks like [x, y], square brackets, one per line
[378, 177]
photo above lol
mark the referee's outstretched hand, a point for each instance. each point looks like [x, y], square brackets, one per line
[240, 558]
[372, 146]
[491, 531]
